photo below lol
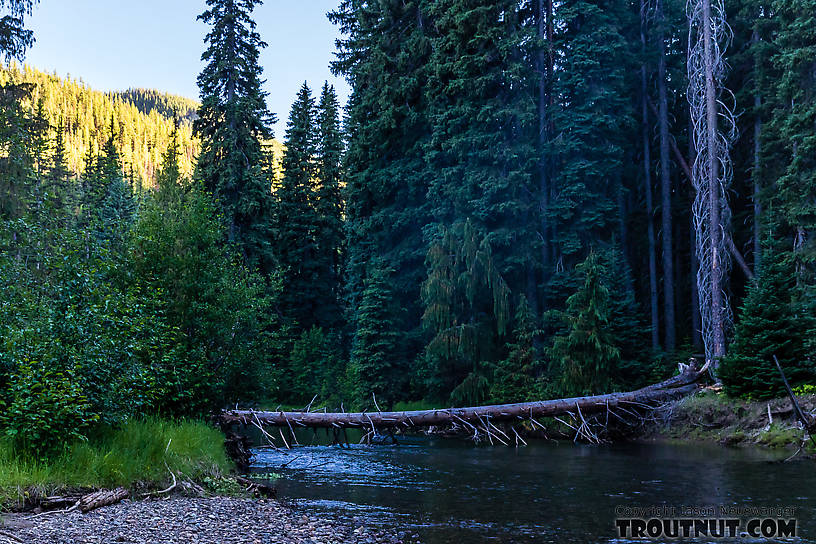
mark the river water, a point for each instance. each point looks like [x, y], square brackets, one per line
[449, 491]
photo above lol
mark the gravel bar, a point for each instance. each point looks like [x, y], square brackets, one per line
[180, 520]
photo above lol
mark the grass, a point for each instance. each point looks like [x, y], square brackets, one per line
[136, 455]
[733, 421]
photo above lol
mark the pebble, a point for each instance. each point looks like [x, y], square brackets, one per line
[182, 520]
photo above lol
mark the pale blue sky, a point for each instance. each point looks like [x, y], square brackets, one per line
[116, 44]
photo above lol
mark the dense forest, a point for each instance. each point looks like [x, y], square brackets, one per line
[505, 211]
[142, 120]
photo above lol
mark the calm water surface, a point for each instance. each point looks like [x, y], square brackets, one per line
[449, 491]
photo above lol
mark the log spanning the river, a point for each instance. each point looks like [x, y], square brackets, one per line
[478, 417]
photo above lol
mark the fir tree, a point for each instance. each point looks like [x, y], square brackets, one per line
[375, 366]
[517, 378]
[586, 355]
[772, 322]
[296, 219]
[169, 176]
[385, 55]
[329, 207]
[592, 114]
[233, 123]
[483, 143]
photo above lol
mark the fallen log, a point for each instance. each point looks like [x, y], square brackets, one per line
[104, 497]
[478, 417]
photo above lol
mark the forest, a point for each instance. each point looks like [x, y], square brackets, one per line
[521, 200]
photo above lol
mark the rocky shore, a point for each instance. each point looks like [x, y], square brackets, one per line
[181, 520]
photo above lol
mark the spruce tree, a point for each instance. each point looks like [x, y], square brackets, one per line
[375, 366]
[586, 356]
[233, 123]
[296, 218]
[483, 151]
[385, 55]
[329, 208]
[771, 322]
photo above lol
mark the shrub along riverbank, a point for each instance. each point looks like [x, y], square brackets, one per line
[138, 455]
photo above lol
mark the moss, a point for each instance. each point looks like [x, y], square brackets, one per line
[779, 436]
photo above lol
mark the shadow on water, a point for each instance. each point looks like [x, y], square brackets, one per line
[450, 491]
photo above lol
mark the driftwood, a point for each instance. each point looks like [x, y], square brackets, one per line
[85, 503]
[104, 497]
[481, 419]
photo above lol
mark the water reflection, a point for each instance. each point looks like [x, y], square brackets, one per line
[454, 492]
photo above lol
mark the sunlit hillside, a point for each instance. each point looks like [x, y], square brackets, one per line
[87, 115]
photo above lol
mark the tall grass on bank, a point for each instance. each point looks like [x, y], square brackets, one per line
[137, 455]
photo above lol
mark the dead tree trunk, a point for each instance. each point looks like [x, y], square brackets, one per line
[478, 418]
[712, 167]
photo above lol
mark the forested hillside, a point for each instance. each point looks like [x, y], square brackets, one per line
[142, 119]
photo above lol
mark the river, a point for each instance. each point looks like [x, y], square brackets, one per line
[450, 491]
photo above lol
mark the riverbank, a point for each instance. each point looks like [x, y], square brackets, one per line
[178, 520]
[142, 456]
[711, 416]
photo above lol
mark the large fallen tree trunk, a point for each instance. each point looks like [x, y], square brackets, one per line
[478, 418]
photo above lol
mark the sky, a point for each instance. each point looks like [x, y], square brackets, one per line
[157, 44]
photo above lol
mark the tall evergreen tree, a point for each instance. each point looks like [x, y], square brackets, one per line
[385, 55]
[772, 323]
[586, 356]
[329, 207]
[375, 367]
[233, 123]
[296, 219]
[592, 114]
[483, 149]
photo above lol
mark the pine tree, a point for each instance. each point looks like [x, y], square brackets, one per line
[772, 322]
[296, 219]
[329, 208]
[233, 123]
[375, 367]
[586, 356]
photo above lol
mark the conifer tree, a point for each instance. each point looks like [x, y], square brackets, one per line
[772, 322]
[517, 378]
[385, 54]
[233, 123]
[586, 355]
[483, 149]
[374, 367]
[592, 115]
[296, 218]
[169, 176]
[789, 146]
[329, 207]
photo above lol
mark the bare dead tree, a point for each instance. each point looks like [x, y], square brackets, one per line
[713, 131]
